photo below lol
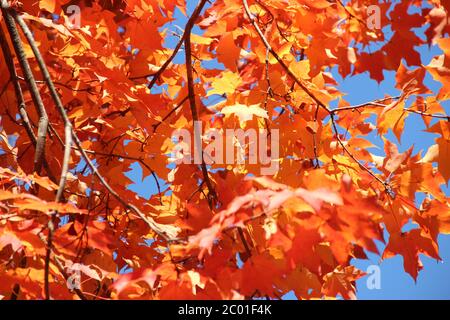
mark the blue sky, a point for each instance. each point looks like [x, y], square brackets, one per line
[434, 280]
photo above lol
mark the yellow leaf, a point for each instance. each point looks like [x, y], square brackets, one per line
[283, 51]
[245, 113]
[48, 5]
[394, 119]
[227, 84]
[195, 38]
[300, 69]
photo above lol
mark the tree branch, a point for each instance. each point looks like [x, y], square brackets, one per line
[156, 227]
[19, 97]
[63, 272]
[244, 242]
[156, 125]
[140, 160]
[197, 135]
[155, 76]
[10, 16]
[31, 83]
[307, 91]
[339, 140]
[52, 221]
[66, 159]
[280, 61]
[378, 104]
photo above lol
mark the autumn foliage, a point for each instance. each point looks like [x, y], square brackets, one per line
[80, 105]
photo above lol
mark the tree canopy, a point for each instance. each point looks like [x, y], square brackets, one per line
[90, 88]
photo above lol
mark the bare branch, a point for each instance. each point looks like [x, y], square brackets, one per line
[52, 221]
[18, 90]
[31, 83]
[65, 165]
[378, 104]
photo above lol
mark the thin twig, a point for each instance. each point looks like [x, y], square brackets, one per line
[244, 242]
[344, 147]
[61, 269]
[123, 156]
[269, 92]
[280, 61]
[317, 163]
[155, 76]
[307, 91]
[156, 125]
[378, 104]
[65, 85]
[366, 104]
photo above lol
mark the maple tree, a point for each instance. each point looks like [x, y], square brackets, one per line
[80, 105]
